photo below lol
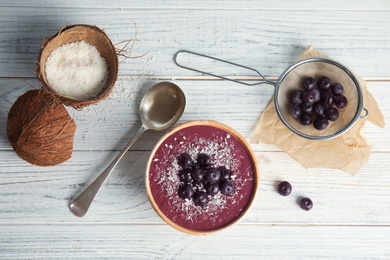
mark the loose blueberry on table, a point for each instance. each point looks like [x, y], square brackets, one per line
[306, 204]
[200, 181]
[284, 188]
[317, 102]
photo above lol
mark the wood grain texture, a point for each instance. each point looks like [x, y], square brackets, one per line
[98, 242]
[31, 194]
[350, 217]
[220, 4]
[264, 40]
[115, 120]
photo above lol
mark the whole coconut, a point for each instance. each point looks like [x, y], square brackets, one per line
[40, 129]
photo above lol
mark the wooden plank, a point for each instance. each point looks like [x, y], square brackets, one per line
[226, 4]
[40, 195]
[266, 40]
[112, 122]
[350, 217]
[161, 242]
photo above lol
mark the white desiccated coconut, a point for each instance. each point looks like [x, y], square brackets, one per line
[76, 70]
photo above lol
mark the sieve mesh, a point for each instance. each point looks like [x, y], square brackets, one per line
[292, 79]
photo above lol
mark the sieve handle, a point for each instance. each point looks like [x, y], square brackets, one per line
[264, 81]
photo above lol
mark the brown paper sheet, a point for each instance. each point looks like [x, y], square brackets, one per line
[348, 152]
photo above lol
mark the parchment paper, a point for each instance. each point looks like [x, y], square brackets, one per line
[348, 152]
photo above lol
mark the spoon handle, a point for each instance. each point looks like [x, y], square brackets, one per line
[80, 205]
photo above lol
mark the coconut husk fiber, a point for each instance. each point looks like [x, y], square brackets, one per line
[75, 33]
[348, 152]
[40, 129]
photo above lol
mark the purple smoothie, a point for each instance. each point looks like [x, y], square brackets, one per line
[224, 150]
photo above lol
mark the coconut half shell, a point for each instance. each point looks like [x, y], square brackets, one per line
[40, 129]
[91, 35]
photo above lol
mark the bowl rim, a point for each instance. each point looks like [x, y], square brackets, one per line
[246, 146]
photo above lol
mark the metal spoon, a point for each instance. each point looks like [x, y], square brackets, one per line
[160, 108]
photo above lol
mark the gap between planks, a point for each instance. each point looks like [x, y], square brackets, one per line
[199, 78]
[259, 224]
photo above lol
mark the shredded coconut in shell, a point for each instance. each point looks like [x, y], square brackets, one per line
[76, 70]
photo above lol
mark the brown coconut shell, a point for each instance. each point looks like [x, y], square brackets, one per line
[74, 33]
[40, 129]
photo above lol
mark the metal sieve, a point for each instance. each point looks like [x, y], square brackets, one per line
[291, 79]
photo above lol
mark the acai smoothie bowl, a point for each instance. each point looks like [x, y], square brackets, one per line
[202, 177]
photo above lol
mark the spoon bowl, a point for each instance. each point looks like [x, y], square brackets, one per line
[160, 108]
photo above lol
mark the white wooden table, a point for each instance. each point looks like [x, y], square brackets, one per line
[351, 214]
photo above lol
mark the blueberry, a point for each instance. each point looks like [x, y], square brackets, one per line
[186, 191]
[284, 188]
[306, 204]
[226, 174]
[318, 109]
[306, 109]
[184, 160]
[309, 83]
[306, 119]
[212, 189]
[309, 97]
[204, 160]
[337, 88]
[295, 110]
[200, 198]
[212, 175]
[332, 114]
[341, 101]
[324, 82]
[296, 97]
[197, 173]
[320, 123]
[318, 101]
[226, 187]
[327, 98]
[185, 175]
[317, 94]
